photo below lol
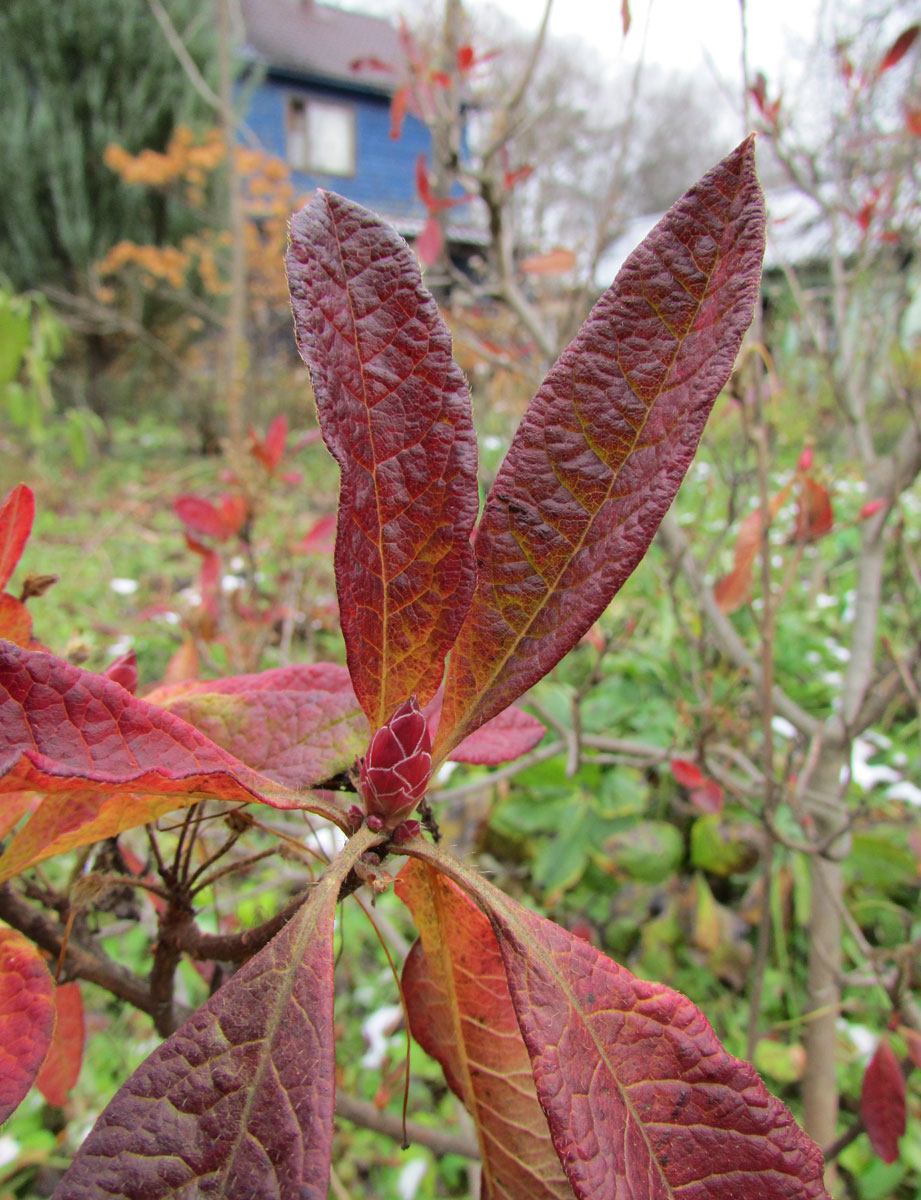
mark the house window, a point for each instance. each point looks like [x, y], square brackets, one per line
[320, 136]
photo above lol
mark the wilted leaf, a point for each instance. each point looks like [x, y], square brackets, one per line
[733, 590]
[238, 1103]
[16, 516]
[61, 1068]
[605, 443]
[641, 1098]
[461, 1014]
[814, 516]
[298, 725]
[883, 1102]
[26, 1017]
[395, 412]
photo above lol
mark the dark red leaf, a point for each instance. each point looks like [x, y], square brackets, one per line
[395, 412]
[16, 516]
[238, 1103]
[882, 1102]
[461, 1013]
[26, 1017]
[899, 48]
[61, 1068]
[271, 450]
[605, 444]
[686, 773]
[298, 725]
[124, 671]
[399, 106]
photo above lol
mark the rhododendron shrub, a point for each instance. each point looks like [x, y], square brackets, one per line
[581, 1080]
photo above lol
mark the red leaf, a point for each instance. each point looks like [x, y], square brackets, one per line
[26, 1017]
[465, 58]
[238, 1103]
[709, 797]
[882, 1102]
[124, 671]
[320, 537]
[271, 451]
[440, 78]
[202, 517]
[507, 736]
[605, 444]
[61, 1068]
[625, 16]
[686, 773]
[870, 509]
[518, 176]
[16, 516]
[433, 203]
[913, 121]
[15, 620]
[298, 725]
[429, 242]
[814, 517]
[234, 511]
[555, 262]
[13, 807]
[370, 64]
[395, 412]
[805, 460]
[640, 1097]
[399, 106]
[80, 737]
[899, 48]
[461, 1014]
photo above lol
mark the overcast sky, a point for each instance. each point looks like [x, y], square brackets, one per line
[687, 34]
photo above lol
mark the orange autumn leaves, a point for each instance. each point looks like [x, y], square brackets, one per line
[186, 168]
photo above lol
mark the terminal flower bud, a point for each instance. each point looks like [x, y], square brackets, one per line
[394, 773]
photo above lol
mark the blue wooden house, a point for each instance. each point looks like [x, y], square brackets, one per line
[324, 79]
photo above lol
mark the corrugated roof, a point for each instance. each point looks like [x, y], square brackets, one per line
[322, 42]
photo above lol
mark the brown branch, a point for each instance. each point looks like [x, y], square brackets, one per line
[81, 961]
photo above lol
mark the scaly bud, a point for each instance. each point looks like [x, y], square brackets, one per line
[394, 773]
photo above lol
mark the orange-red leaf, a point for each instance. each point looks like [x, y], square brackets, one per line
[399, 106]
[461, 1014]
[15, 620]
[16, 516]
[395, 412]
[238, 1103]
[814, 517]
[605, 444]
[554, 262]
[26, 1017]
[883, 1102]
[61, 1068]
[733, 590]
[84, 738]
[298, 725]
